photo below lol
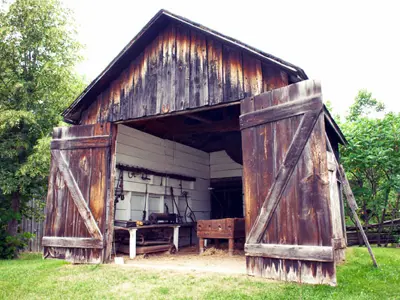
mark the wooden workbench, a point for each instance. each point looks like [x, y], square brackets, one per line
[229, 228]
[133, 232]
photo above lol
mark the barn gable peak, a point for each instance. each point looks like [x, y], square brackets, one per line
[137, 45]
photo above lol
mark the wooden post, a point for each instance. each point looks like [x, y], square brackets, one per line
[231, 246]
[132, 243]
[201, 245]
[176, 237]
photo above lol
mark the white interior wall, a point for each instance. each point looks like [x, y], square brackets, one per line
[222, 166]
[140, 149]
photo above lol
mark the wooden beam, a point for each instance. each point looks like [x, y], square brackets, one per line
[76, 195]
[279, 112]
[72, 242]
[81, 143]
[294, 252]
[179, 113]
[198, 118]
[220, 126]
[339, 243]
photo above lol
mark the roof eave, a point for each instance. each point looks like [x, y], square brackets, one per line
[335, 126]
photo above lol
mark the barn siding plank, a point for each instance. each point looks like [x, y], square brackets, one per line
[198, 84]
[215, 71]
[168, 81]
[182, 67]
[232, 74]
[151, 55]
[252, 75]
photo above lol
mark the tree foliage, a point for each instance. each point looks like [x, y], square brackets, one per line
[372, 157]
[38, 53]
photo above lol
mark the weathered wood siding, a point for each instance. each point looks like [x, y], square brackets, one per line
[285, 176]
[140, 149]
[180, 69]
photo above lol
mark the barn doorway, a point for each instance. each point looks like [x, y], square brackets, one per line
[189, 164]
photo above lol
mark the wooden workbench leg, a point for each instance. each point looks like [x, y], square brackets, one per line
[201, 245]
[176, 237]
[231, 246]
[216, 243]
[132, 243]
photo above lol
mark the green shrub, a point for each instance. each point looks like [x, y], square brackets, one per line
[10, 246]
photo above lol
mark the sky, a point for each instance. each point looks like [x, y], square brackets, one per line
[348, 45]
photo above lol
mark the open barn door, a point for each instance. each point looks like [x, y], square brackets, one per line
[286, 186]
[79, 215]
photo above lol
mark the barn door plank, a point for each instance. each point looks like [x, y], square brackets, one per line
[270, 203]
[79, 217]
[76, 195]
[288, 223]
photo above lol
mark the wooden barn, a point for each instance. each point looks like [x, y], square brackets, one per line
[187, 124]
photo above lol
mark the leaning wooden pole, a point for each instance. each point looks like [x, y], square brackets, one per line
[353, 206]
[352, 202]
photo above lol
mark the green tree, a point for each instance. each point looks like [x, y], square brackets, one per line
[38, 53]
[372, 158]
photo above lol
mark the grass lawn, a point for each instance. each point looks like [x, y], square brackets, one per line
[31, 277]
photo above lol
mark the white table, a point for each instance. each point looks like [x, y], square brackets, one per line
[133, 231]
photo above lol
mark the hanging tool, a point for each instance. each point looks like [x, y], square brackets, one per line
[119, 189]
[191, 214]
[179, 217]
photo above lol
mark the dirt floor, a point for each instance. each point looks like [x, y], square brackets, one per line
[187, 259]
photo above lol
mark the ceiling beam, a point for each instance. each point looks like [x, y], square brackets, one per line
[198, 118]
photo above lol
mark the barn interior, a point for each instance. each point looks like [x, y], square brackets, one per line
[188, 164]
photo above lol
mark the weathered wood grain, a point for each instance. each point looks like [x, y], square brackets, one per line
[296, 175]
[198, 84]
[293, 155]
[252, 73]
[182, 68]
[72, 242]
[81, 143]
[279, 112]
[76, 194]
[76, 212]
[299, 252]
[215, 74]
[232, 74]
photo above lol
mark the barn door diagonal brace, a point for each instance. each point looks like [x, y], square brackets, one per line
[76, 195]
[272, 200]
[352, 202]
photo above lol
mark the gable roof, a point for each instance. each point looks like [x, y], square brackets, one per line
[146, 35]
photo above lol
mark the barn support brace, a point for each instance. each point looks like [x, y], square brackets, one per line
[352, 203]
